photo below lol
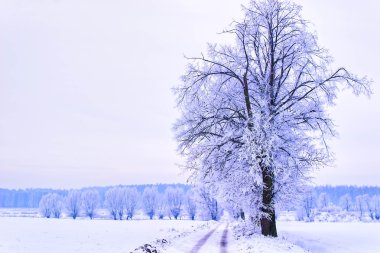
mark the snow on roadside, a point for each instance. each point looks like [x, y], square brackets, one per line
[178, 241]
[253, 243]
[295, 237]
[185, 242]
[248, 240]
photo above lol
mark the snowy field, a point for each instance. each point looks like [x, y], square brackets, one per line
[333, 237]
[32, 235]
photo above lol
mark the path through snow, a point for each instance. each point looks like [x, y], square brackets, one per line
[202, 241]
[224, 241]
[214, 241]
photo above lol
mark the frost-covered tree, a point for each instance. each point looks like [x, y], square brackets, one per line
[323, 201]
[73, 203]
[254, 120]
[376, 205]
[308, 204]
[150, 200]
[360, 205]
[121, 192]
[209, 203]
[45, 206]
[369, 206]
[131, 198]
[234, 210]
[345, 202]
[57, 205]
[90, 201]
[191, 204]
[114, 201]
[174, 198]
[162, 207]
[51, 205]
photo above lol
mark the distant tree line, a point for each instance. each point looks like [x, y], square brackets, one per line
[122, 203]
[174, 201]
[30, 198]
[362, 202]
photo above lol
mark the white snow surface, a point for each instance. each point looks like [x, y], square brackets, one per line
[333, 237]
[32, 235]
[252, 244]
[294, 237]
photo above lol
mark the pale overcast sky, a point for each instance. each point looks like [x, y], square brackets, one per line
[85, 93]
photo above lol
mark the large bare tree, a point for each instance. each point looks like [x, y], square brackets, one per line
[254, 119]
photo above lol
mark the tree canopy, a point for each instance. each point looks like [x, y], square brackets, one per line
[254, 120]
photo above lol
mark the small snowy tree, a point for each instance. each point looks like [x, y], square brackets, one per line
[369, 206]
[209, 203]
[162, 207]
[376, 205]
[114, 201]
[254, 119]
[191, 204]
[121, 192]
[323, 201]
[45, 205]
[345, 202]
[51, 205]
[360, 206]
[73, 203]
[308, 204]
[57, 205]
[174, 198]
[90, 201]
[131, 199]
[150, 200]
[233, 209]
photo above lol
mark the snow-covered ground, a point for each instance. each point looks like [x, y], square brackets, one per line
[294, 237]
[253, 244]
[32, 235]
[19, 212]
[333, 237]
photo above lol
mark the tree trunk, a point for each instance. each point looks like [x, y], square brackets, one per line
[268, 224]
[242, 215]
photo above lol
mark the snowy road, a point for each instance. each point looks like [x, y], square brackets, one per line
[202, 241]
[211, 241]
[224, 241]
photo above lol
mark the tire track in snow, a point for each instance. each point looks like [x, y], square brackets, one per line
[223, 241]
[202, 241]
